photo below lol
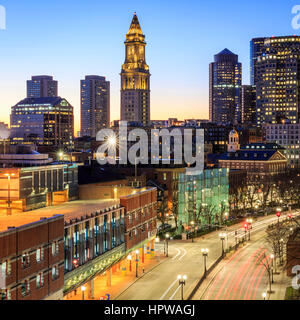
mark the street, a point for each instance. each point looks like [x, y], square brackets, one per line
[185, 258]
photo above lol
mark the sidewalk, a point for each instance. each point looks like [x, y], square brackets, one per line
[119, 281]
[281, 282]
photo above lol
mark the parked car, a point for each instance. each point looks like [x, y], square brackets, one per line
[164, 227]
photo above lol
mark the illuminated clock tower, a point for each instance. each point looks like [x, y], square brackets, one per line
[135, 77]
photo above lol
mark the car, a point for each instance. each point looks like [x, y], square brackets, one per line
[164, 226]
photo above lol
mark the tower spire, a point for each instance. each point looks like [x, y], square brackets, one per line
[135, 27]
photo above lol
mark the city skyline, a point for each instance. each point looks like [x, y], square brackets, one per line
[78, 50]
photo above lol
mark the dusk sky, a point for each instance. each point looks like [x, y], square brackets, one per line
[70, 39]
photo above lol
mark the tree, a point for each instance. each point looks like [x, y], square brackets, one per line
[265, 261]
[162, 210]
[175, 209]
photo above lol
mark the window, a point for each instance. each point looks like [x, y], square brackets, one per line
[25, 288]
[39, 254]
[5, 268]
[40, 280]
[5, 294]
[165, 177]
[25, 261]
[55, 248]
[55, 273]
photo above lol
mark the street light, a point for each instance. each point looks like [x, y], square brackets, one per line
[167, 243]
[278, 213]
[264, 295]
[83, 288]
[222, 238]
[182, 280]
[130, 259]
[193, 229]
[205, 254]
[246, 226]
[249, 221]
[9, 175]
[272, 268]
[137, 262]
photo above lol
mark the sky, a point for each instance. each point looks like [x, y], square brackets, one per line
[70, 39]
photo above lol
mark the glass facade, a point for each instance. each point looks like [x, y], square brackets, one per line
[203, 198]
[225, 88]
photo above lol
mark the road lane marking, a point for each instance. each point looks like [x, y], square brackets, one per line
[185, 252]
[178, 253]
[173, 295]
[166, 292]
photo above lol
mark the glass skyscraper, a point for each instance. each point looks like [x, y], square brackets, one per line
[225, 81]
[95, 105]
[41, 87]
[277, 79]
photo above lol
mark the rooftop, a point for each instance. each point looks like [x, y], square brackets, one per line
[70, 210]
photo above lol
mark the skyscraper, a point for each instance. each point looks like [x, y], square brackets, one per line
[248, 104]
[225, 80]
[278, 80]
[41, 87]
[256, 50]
[95, 105]
[135, 77]
[45, 121]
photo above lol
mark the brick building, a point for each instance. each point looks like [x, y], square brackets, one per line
[31, 257]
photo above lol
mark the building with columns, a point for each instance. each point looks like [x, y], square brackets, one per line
[135, 77]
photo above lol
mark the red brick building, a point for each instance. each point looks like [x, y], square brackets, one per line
[293, 252]
[140, 217]
[31, 257]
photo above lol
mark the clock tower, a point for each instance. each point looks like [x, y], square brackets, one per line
[135, 77]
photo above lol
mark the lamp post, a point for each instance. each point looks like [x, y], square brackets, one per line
[205, 254]
[264, 295]
[246, 228]
[249, 221]
[157, 240]
[167, 244]
[182, 280]
[278, 214]
[130, 259]
[8, 175]
[222, 237]
[137, 262]
[272, 268]
[193, 229]
[83, 288]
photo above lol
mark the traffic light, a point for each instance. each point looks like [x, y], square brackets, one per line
[246, 226]
[278, 214]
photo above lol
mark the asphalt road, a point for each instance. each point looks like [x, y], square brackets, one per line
[185, 258]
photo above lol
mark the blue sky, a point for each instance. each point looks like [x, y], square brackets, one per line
[69, 39]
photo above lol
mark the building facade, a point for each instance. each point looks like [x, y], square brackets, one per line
[42, 87]
[288, 136]
[256, 50]
[35, 187]
[225, 81]
[44, 121]
[135, 78]
[277, 72]
[203, 198]
[31, 258]
[248, 104]
[95, 105]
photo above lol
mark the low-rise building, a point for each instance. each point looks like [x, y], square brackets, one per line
[31, 257]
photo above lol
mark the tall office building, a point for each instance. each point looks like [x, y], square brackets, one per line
[256, 50]
[135, 78]
[44, 121]
[278, 80]
[41, 87]
[225, 81]
[95, 105]
[248, 104]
